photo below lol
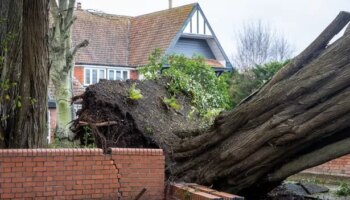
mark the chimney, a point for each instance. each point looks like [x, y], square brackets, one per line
[170, 4]
[79, 6]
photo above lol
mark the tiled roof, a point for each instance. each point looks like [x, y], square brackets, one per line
[155, 30]
[213, 63]
[126, 41]
[107, 35]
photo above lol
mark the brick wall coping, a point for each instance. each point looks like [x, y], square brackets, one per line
[134, 151]
[72, 152]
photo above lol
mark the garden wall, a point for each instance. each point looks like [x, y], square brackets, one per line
[81, 173]
[336, 167]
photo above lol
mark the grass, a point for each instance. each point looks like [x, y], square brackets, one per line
[343, 190]
[319, 179]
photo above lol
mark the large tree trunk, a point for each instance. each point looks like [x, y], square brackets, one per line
[31, 126]
[24, 74]
[297, 120]
[10, 66]
[62, 58]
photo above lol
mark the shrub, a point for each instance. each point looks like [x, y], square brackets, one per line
[134, 94]
[343, 190]
[194, 78]
[172, 102]
[245, 83]
[155, 63]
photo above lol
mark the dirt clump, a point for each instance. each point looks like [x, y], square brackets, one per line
[115, 120]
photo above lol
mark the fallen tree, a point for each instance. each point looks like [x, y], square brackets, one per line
[299, 119]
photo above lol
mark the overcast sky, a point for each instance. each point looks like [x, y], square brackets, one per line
[299, 20]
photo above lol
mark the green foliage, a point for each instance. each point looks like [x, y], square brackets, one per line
[244, 83]
[9, 100]
[343, 190]
[134, 94]
[194, 78]
[172, 102]
[210, 115]
[58, 144]
[149, 130]
[154, 66]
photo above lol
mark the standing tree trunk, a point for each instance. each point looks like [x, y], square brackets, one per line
[31, 126]
[62, 58]
[298, 120]
[10, 66]
[24, 74]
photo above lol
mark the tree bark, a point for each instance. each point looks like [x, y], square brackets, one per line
[30, 127]
[10, 65]
[297, 120]
[62, 58]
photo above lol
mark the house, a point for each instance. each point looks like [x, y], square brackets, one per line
[118, 45]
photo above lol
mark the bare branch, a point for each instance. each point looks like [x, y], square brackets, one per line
[63, 6]
[70, 56]
[82, 44]
[258, 43]
[69, 17]
[54, 10]
[70, 23]
[108, 123]
[76, 98]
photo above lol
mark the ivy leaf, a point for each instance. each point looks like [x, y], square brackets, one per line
[18, 104]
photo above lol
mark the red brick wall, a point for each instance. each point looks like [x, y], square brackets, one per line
[79, 73]
[81, 173]
[336, 167]
[134, 75]
[135, 176]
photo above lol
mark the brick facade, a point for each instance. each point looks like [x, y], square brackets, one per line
[336, 167]
[81, 173]
[79, 73]
[134, 75]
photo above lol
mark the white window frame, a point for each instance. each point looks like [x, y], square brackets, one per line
[76, 108]
[121, 70]
[98, 74]
[106, 72]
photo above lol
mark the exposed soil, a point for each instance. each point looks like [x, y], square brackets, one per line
[136, 123]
